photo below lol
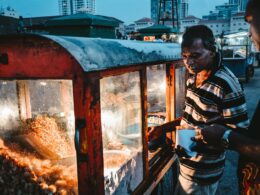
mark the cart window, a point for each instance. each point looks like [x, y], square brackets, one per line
[9, 113]
[180, 83]
[122, 132]
[36, 137]
[156, 96]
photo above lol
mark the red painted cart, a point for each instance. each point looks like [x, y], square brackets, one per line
[74, 114]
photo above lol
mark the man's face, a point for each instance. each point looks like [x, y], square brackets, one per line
[197, 57]
[254, 29]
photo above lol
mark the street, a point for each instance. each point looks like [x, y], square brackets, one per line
[228, 184]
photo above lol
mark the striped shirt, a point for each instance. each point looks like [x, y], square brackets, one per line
[221, 100]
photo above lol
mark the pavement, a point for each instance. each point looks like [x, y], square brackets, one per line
[229, 183]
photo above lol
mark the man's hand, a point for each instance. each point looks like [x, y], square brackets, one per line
[183, 127]
[210, 135]
[154, 132]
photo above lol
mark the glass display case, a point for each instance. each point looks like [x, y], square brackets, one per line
[37, 137]
[121, 123]
[156, 94]
[75, 112]
[156, 100]
[121, 131]
[180, 87]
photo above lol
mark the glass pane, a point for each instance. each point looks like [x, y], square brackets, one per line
[179, 90]
[9, 113]
[121, 119]
[37, 153]
[156, 88]
[156, 95]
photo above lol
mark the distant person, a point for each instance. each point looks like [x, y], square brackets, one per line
[213, 96]
[20, 27]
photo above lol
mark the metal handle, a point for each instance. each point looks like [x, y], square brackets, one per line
[80, 123]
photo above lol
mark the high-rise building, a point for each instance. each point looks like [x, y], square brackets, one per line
[234, 2]
[242, 5]
[227, 10]
[85, 6]
[64, 7]
[67, 7]
[223, 12]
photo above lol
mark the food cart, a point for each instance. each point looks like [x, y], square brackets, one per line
[75, 112]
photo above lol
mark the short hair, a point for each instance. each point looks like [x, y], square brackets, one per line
[252, 6]
[199, 32]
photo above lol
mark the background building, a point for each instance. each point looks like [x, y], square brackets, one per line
[222, 12]
[238, 23]
[234, 2]
[65, 7]
[217, 26]
[84, 6]
[143, 23]
[242, 5]
[130, 28]
[9, 25]
[187, 22]
[83, 25]
[8, 11]
[68, 7]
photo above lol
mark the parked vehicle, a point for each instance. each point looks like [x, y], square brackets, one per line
[238, 60]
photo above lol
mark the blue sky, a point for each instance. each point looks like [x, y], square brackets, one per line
[125, 10]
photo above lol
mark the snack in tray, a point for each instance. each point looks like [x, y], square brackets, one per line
[44, 136]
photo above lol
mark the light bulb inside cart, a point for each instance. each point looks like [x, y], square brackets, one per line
[163, 86]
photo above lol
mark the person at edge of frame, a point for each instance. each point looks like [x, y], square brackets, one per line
[247, 145]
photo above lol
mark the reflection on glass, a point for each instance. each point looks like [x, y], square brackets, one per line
[121, 132]
[37, 153]
[9, 113]
[156, 88]
[179, 90]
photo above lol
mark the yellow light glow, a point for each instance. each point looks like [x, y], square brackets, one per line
[163, 86]
[5, 114]
[43, 83]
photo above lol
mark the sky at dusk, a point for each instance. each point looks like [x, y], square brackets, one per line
[125, 10]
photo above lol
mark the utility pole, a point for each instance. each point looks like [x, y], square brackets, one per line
[166, 14]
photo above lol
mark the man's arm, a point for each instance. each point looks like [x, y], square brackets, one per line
[246, 146]
[155, 132]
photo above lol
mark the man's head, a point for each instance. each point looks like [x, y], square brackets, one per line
[252, 16]
[198, 49]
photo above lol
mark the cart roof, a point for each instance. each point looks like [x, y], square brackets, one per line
[95, 54]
